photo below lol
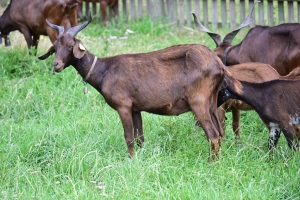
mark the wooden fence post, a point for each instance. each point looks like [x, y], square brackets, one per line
[291, 11]
[156, 9]
[140, 8]
[181, 12]
[251, 4]
[87, 8]
[298, 5]
[124, 9]
[242, 11]
[205, 12]
[95, 8]
[188, 13]
[214, 14]
[280, 12]
[270, 13]
[232, 15]
[224, 12]
[197, 8]
[261, 20]
[172, 10]
[132, 10]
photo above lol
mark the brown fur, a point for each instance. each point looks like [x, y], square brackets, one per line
[276, 46]
[29, 17]
[250, 72]
[266, 103]
[170, 81]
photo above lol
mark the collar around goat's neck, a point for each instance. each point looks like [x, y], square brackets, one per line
[90, 70]
[224, 60]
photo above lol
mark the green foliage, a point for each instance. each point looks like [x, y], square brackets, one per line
[57, 143]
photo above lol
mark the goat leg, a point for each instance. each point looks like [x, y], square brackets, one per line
[274, 136]
[27, 36]
[204, 119]
[103, 6]
[138, 128]
[126, 118]
[290, 137]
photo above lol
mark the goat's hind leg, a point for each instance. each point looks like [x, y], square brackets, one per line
[216, 121]
[138, 128]
[289, 133]
[204, 119]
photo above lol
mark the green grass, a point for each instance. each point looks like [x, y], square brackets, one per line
[57, 143]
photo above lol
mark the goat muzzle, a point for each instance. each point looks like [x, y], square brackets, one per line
[57, 66]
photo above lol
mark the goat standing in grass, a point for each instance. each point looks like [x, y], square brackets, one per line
[275, 101]
[254, 73]
[28, 17]
[170, 81]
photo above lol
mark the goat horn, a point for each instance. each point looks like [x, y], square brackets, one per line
[60, 29]
[74, 30]
[216, 37]
[229, 37]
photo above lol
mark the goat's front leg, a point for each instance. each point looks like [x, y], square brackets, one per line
[103, 9]
[236, 115]
[35, 42]
[138, 128]
[126, 118]
[28, 37]
[222, 117]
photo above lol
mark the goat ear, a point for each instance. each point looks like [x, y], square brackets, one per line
[78, 50]
[49, 52]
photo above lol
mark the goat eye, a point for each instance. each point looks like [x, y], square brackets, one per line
[70, 48]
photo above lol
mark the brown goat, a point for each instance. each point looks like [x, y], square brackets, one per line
[275, 101]
[277, 46]
[28, 17]
[254, 73]
[104, 4]
[170, 81]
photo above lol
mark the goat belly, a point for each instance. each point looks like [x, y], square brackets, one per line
[177, 108]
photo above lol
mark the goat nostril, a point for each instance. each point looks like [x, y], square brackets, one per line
[54, 64]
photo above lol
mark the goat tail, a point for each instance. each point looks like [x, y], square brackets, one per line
[232, 83]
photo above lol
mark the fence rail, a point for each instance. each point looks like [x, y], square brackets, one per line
[218, 13]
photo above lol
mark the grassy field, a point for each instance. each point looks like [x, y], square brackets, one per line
[57, 143]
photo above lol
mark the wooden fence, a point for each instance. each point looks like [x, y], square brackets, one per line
[218, 13]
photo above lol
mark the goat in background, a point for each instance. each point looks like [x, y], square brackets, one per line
[275, 101]
[28, 17]
[254, 73]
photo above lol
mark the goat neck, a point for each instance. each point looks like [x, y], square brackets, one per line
[5, 26]
[230, 54]
[249, 95]
[89, 74]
